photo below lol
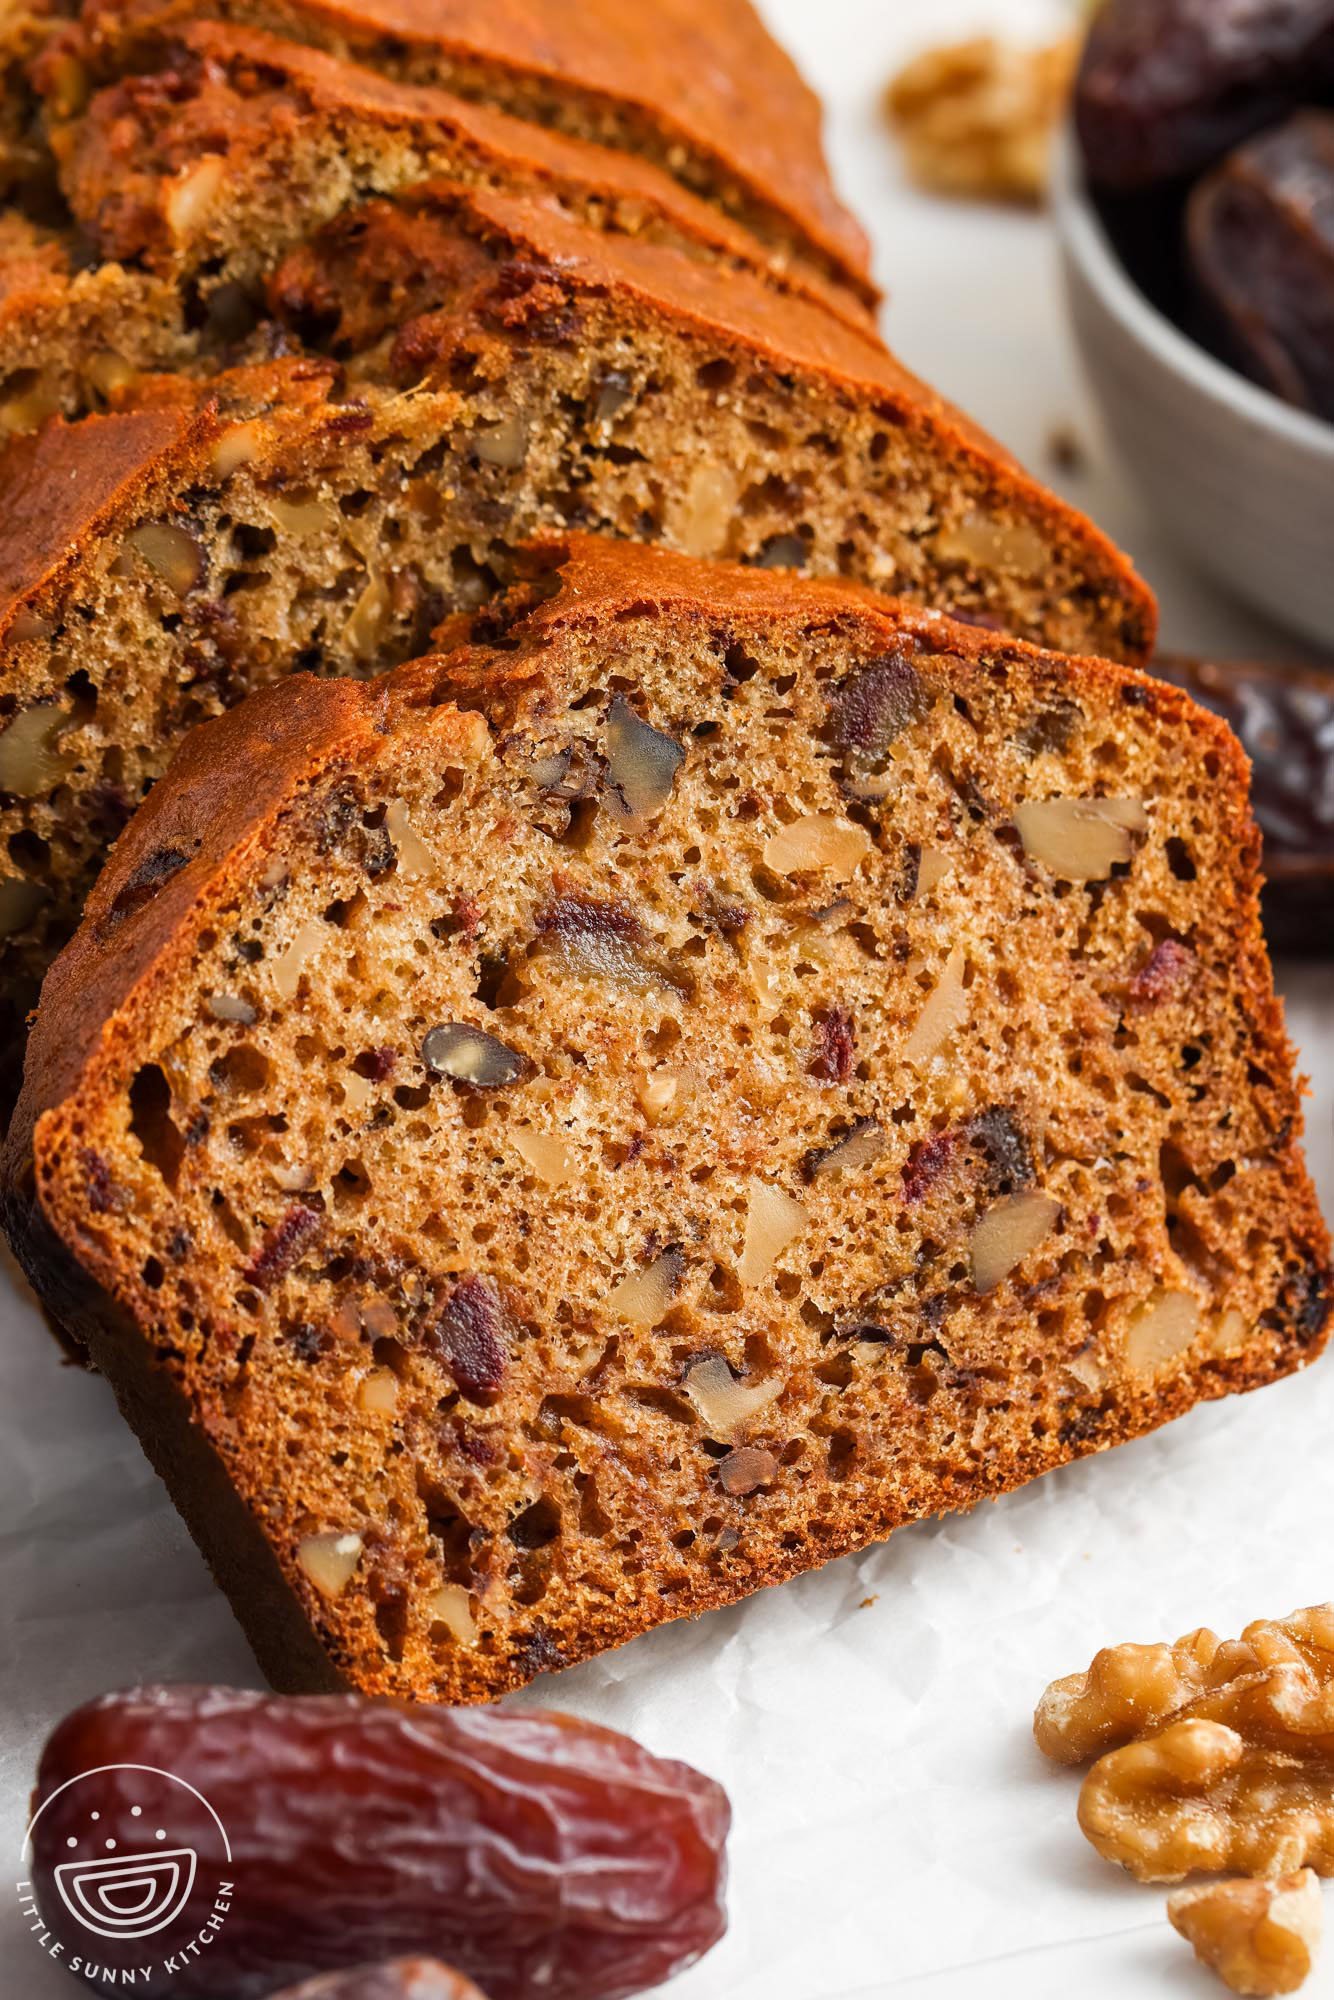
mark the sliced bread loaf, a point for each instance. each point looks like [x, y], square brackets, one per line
[696, 86]
[510, 369]
[189, 181]
[704, 1070]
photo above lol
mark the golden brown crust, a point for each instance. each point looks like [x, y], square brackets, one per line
[235, 778]
[63, 484]
[701, 85]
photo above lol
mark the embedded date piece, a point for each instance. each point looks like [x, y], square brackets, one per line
[1166, 87]
[1260, 240]
[1284, 717]
[536, 1853]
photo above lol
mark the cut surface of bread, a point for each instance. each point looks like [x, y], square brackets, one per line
[508, 370]
[703, 1070]
[696, 86]
[189, 182]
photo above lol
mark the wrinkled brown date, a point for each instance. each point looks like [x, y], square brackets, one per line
[1260, 240]
[538, 1854]
[404, 1979]
[1285, 719]
[1166, 87]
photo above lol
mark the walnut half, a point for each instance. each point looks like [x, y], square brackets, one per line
[1225, 1750]
[1259, 1937]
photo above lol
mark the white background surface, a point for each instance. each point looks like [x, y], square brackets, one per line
[895, 1830]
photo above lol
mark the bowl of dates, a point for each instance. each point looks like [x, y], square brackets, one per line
[1194, 201]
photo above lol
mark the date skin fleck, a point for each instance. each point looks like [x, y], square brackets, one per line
[536, 1854]
[153, 871]
[282, 1247]
[1167, 971]
[468, 1336]
[874, 706]
[927, 1162]
[835, 1046]
[104, 1195]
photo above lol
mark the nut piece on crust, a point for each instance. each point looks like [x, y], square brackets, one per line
[977, 117]
[1259, 1937]
[1129, 1690]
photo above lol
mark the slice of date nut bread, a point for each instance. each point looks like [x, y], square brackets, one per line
[158, 564]
[190, 181]
[698, 87]
[705, 1069]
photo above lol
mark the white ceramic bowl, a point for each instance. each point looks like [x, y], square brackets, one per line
[1244, 483]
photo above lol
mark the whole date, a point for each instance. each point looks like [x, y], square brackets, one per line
[538, 1854]
[1284, 717]
[1168, 86]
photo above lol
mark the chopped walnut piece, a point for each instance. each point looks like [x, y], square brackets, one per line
[944, 1010]
[330, 1560]
[548, 1156]
[1011, 1230]
[31, 761]
[450, 1607]
[172, 552]
[642, 762]
[645, 1296]
[1160, 1329]
[723, 1403]
[773, 1220]
[1259, 1937]
[817, 841]
[977, 117]
[1080, 840]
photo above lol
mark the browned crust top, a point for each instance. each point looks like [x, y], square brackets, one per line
[705, 72]
[64, 482]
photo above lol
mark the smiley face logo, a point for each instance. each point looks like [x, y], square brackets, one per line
[128, 1895]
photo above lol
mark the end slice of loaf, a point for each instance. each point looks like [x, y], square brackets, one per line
[190, 180]
[697, 86]
[516, 371]
[236, 142]
[706, 1070]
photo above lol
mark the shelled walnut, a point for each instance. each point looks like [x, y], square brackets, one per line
[977, 117]
[1215, 1754]
[1199, 1795]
